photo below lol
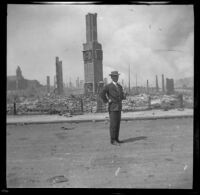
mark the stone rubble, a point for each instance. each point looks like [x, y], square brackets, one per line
[72, 105]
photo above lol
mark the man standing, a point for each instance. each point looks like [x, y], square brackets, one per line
[113, 95]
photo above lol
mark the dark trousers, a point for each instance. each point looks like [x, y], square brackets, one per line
[115, 119]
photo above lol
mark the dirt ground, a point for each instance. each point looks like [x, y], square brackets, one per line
[155, 154]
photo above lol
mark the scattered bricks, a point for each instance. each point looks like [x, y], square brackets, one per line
[77, 105]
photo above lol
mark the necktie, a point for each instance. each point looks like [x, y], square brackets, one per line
[117, 87]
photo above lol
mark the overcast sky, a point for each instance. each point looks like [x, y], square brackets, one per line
[155, 39]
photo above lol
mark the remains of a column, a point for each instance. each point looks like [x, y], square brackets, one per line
[157, 88]
[48, 84]
[59, 76]
[163, 84]
[92, 56]
[19, 78]
[54, 82]
[147, 87]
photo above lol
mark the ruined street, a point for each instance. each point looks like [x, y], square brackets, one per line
[155, 154]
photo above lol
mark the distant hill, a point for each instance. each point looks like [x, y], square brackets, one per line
[184, 82]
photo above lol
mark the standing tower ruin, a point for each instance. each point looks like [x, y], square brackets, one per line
[147, 87]
[157, 87]
[170, 86]
[92, 56]
[59, 76]
[48, 84]
[163, 83]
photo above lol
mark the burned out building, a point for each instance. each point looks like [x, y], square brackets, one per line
[157, 87]
[18, 82]
[163, 84]
[92, 56]
[170, 86]
[147, 86]
[48, 84]
[59, 76]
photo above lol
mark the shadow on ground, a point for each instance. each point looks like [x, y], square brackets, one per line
[133, 139]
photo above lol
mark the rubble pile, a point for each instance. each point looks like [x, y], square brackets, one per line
[55, 105]
[188, 101]
[144, 101]
[89, 103]
[73, 105]
[9, 108]
[135, 102]
[47, 104]
[169, 102]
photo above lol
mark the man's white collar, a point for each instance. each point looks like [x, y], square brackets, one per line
[115, 83]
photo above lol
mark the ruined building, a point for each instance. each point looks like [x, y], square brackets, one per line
[54, 82]
[21, 83]
[147, 86]
[19, 73]
[92, 56]
[59, 76]
[157, 87]
[81, 84]
[48, 84]
[170, 86]
[163, 84]
[18, 82]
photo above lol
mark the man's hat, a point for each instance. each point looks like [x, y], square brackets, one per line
[114, 73]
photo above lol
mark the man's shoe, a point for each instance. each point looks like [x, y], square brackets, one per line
[119, 141]
[115, 143]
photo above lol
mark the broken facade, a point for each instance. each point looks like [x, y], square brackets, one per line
[59, 76]
[170, 86]
[157, 87]
[92, 56]
[48, 84]
[19, 83]
[163, 84]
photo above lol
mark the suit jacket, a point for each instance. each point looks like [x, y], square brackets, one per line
[115, 94]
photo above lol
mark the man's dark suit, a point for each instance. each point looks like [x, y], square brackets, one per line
[115, 94]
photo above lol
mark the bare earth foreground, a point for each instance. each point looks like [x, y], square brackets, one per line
[155, 154]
